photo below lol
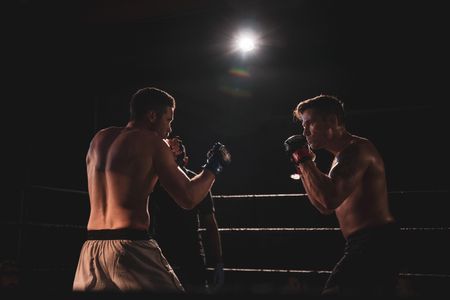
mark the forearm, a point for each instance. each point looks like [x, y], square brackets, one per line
[199, 187]
[318, 186]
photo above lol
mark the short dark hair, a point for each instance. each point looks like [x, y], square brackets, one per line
[149, 98]
[324, 104]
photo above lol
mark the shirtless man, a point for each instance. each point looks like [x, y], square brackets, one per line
[123, 165]
[355, 190]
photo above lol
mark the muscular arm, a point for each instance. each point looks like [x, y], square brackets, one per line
[329, 191]
[322, 209]
[186, 192]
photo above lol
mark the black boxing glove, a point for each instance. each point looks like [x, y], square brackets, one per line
[298, 150]
[217, 158]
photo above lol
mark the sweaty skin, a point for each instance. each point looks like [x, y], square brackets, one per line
[355, 188]
[123, 165]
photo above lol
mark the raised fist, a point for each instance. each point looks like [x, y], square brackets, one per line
[217, 158]
[297, 148]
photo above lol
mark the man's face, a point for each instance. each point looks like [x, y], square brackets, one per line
[163, 123]
[315, 129]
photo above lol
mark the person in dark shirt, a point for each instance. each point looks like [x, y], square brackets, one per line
[177, 232]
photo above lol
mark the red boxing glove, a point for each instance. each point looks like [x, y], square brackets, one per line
[297, 148]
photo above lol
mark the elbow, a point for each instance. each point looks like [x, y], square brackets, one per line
[185, 201]
[327, 212]
[331, 200]
[321, 207]
[190, 199]
[189, 206]
[334, 203]
[326, 208]
[331, 205]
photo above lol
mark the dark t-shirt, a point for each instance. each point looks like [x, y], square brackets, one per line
[176, 229]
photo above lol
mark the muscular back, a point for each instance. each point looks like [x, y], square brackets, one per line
[120, 176]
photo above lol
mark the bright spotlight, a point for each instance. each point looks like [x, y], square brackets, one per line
[245, 42]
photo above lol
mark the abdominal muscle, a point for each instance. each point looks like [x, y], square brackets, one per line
[358, 212]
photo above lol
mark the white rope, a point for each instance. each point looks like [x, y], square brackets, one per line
[46, 225]
[279, 229]
[262, 270]
[321, 272]
[56, 189]
[275, 270]
[258, 196]
[240, 229]
[237, 229]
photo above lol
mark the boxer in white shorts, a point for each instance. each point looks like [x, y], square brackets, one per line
[123, 259]
[123, 164]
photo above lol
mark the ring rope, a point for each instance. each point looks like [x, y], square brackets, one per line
[262, 270]
[321, 272]
[321, 229]
[418, 192]
[41, 187]
[258, 196]
[305, 195]
[47, 225]
[292, 229]
[235, 229]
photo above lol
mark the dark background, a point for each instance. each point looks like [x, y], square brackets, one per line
[77, 63]
[72, 66]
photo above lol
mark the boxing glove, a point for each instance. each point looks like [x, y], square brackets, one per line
[298, 150]
[217, 158]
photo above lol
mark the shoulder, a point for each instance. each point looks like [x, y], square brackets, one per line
[359, 148]
[110, 130]
[106, 132]
[366, 146]
[143, 138]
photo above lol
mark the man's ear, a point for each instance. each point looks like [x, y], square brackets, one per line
[152, 116]
[331, 120]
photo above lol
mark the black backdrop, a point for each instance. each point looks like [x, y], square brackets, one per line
[72, 67]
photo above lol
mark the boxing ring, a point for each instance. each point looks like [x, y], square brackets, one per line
[272, 243]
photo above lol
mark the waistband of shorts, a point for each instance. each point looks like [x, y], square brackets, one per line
[118, 234]
[374, 230]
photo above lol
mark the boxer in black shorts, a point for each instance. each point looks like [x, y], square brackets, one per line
[370, 263]
[355, 190]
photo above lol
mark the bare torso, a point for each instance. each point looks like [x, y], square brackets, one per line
[120, 177]
[367, 205]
